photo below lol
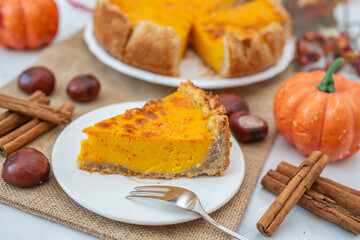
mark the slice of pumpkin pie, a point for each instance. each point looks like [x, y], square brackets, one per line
[183, 134]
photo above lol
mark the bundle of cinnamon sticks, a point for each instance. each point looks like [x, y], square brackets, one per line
[27, 119]
[303, 186]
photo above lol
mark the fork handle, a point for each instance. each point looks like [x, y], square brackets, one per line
[198, 209]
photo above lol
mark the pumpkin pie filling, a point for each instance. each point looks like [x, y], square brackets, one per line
[169, 136]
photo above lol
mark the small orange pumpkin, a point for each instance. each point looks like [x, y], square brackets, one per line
[320, 111]
[27, 24]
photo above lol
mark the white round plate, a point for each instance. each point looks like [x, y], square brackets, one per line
[105, 194]
[191, 67]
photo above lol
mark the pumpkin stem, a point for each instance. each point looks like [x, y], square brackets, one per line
[328, 84]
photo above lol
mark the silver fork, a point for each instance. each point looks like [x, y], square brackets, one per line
[182, 198]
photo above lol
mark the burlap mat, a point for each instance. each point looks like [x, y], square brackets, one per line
[70, 58]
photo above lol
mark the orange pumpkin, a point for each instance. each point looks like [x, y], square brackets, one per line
[27, 24]
[320, 111]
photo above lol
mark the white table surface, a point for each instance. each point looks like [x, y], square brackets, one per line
[299, 224]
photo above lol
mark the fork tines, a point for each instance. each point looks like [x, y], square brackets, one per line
[156, 192]
[154, 188]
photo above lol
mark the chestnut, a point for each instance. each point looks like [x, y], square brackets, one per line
[83, 88]
[232, 103]
[246, 127]
[25, 167]
[37, 78]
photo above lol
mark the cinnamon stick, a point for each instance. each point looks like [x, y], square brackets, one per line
[348, 189]
[347, 197]
[4, 115]
[19, 131]
[35, 110]
[315, 202]
[11, 120]
[29, 131]
[305, 176]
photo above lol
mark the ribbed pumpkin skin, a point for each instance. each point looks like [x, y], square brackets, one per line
[27, 24]
[311, 119]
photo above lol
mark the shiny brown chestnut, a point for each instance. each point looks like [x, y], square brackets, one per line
[25, 167]
[83, 88]
[37, 78]
[246, 127]
[232, 103]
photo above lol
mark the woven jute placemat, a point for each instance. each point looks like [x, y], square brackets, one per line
[72, 57]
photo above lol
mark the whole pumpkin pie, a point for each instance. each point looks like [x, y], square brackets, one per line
[183, 134]
[153, 35]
